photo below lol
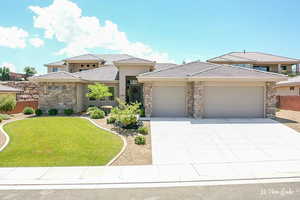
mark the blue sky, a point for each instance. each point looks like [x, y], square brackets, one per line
[161, 30]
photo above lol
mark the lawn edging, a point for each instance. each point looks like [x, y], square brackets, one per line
[113, 132]
[5, 135]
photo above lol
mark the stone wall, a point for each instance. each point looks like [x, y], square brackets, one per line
[190, 98]
[30, 90]
[147, 91]
[198, 104]
[270, 104]
[58, 95]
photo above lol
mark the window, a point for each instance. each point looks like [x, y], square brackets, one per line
[262, 68]
[81, 65]
[283, 67]
[54, 69]
[94, 65]
[292, 88]
[112, 91]
[88, 65]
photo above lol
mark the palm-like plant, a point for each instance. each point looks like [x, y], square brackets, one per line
[4, 73]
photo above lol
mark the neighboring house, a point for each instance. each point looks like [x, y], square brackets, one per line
[260, 61]
[13, 76]
[197, 89]
[288, 94]
[291, 87]
[6, 90]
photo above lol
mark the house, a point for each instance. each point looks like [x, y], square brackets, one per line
[6, 90]
[288, 94]
[13, 76]
[260, 61]
[197, 89]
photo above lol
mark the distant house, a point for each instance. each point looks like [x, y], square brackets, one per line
[13, 76]
[260, 61]
[6, 90]
[290, 87]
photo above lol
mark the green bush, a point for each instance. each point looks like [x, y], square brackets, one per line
[28, 111]
[142, 112]
[140, 140]
[52, 112]
[68, 112]
[0, 120]
[7, 103]
[126, 115]
[143, 130]
[97, 114]
[110, 120]
[91, 109]
[4, 116]
[38, 112]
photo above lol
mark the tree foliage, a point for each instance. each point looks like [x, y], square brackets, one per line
[29, 71]
[98, 91]
[4, 73]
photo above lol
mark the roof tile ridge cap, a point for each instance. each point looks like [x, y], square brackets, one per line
[222, 55]
[256, 70]
[275, 55]
[208, 69]
[134, 58]
[164, 69]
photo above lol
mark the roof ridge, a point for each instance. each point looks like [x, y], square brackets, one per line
[251, 69]
[243, 58]
[153, 72]
[221, 55]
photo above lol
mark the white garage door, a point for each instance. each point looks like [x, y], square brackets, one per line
[168, 101]
[226, 102]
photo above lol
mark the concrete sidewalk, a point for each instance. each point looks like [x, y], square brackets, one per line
[149, 173]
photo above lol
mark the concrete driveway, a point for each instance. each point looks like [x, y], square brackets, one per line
[182, 141]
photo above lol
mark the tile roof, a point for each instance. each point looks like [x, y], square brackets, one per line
[4, 88]
[252, 57]
[134, 60]
[62, 75]
[290, 82]
[110, 58]
[207, 70]
[160, 66]
[106, 73]
[57, 63]
[84, 57]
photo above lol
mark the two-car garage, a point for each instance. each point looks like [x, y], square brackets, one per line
[219, 101]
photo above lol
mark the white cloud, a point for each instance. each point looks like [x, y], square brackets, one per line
[63, 21]
[13, 37]
[11, 66]
[36, 42]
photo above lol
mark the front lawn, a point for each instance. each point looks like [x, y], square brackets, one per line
[58, 141]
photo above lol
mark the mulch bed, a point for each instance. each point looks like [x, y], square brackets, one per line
[133, 154]
[289, 118]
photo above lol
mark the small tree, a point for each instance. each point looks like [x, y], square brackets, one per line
[4, 73]
[7, 103]
[29, 71]
[98, 91]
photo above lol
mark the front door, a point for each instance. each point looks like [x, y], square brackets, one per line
[134, 90]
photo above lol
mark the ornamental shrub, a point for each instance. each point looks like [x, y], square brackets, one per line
[52, 111]
[110, 120]
[68, 112]
[28, 111]
[38, 112]
[140, 140]
[97, 114]
[143, 130]
[7, 103]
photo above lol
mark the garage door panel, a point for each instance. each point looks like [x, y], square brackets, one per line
[226, 102]
[168, 101]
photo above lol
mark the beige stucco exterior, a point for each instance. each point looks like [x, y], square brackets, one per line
[288, 91]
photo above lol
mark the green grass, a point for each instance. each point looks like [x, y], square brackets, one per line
[58, 141]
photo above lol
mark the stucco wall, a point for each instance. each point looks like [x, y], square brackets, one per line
[287, 91]
[129, 71]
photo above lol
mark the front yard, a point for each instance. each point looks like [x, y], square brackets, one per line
[58, 141]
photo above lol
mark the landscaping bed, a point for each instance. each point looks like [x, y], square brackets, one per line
[134, 154]
[58, 141]
[289, 118]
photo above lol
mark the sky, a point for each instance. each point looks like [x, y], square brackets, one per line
[36, 32]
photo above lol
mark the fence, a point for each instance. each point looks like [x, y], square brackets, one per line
[22, 104]
[289, 102]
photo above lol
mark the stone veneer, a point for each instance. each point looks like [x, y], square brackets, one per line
[29, 92]
[270, 100]
[58, 95]
[190, 98]
[198, 100]
[147, 90]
